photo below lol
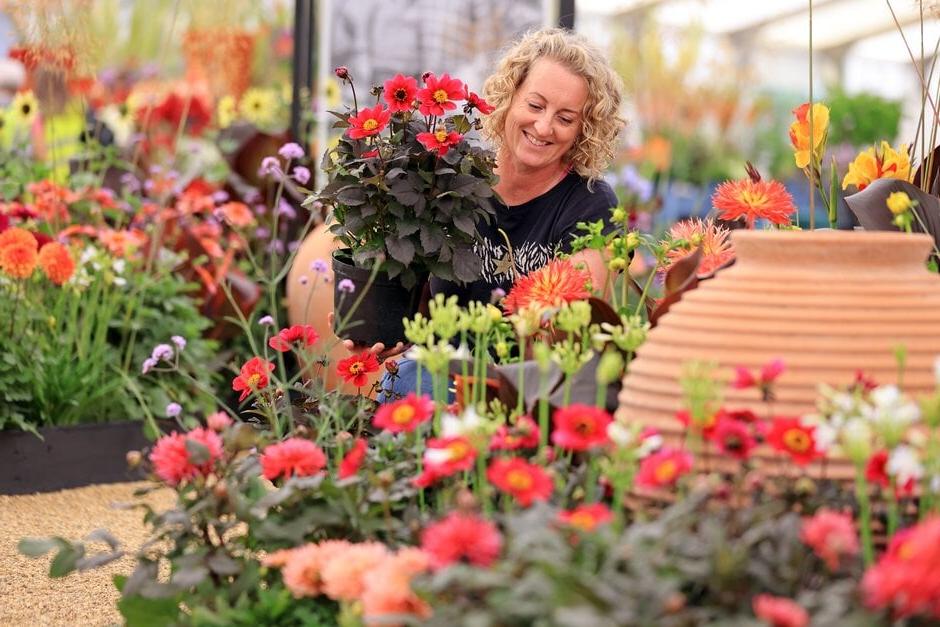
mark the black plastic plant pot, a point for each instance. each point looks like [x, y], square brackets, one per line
[379, 314]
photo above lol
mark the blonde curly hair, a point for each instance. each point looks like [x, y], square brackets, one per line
[601, 121]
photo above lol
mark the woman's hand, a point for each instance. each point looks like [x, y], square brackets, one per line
[378, 349]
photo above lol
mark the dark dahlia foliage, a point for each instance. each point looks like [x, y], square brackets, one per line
[415, 210]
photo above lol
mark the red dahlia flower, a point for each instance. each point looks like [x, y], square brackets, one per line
[733, 437]
[586, 517]
[749, 199]
[353, 459]
[549, 286]
[173, 461]
[461, 537]
[663, 468]
[524, 481]
[523, 434]
[876, 471]
[253, 377]
[476, 102]
[303, 335]
[580, 427]
[438, 93]
[831, 535]
[440, 140]
[405, 414]
[294, 457]
[795, 439]
[368, 122]
[906, 578]
[356, 369]
[779, 611]
[444, 457]
[400, 92]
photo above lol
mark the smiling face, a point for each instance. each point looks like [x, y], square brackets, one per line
[544, 119]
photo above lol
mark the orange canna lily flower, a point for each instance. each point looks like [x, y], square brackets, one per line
[800, 135]
[878, 163]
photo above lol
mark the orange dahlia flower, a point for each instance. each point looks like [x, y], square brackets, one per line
[800, 133]
[717, 249]
[750, 199]
[550, 286]
[16, 235]
[56, 261]
[19, 260]
[878, 163]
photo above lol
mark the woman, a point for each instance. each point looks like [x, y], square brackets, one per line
[554, 130]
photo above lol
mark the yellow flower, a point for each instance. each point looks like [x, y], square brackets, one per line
[899, 202]
[799, 133]
[258, 106]
[226, 111]
[331, 93]
[873, 164]
[24, 108]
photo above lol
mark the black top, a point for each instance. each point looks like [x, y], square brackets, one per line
[537, 230]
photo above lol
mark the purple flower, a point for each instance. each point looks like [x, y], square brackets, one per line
[180, 341]
[149, 363]
[276, 246]
[293, 245]
[220, 196]
[162, 351]
[260, 209]
[346, 286]
[319, 266]
[266, 321]
[303, 280]
[497, 294]
[285, 210]
[251, 196]
[301, 174]
[270, 167]
[173, 410]
[262, 232]
[291, 150]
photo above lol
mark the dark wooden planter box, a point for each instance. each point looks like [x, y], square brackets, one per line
[68, 457]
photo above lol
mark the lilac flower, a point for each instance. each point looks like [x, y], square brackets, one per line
[291, 150]
[173, 410]
[251, 196]
[285, 210]
[303, 280]
[266, 321]
[497, 294]
[293, 245]
[269, 167]
[319, 266]
[260, 209]
[641, 187]
[262, 232]
[162, 352]
[301, 174]
[276, 246]
[346, 286]
[149, 363]
[220, 196]
[180, 341]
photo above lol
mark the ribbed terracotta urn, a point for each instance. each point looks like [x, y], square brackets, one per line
[828, 303]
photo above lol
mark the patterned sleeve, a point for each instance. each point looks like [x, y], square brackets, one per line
[585, 207]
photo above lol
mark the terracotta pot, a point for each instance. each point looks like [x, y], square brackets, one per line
[828, 303]
[310, 301]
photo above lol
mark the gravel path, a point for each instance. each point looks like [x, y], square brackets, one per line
[29, 596]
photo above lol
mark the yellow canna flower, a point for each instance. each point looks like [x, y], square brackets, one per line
[880, 163]
[800, 135]
[899, 202]
[227, 111]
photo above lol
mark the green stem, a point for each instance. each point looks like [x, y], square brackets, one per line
[520, 387]
[864, 504]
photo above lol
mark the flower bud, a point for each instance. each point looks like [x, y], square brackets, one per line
[619, 215]
[609, 368]
[342, 72]
[425, 76]
[391, 366]
[133, 459]
[220, 490]
[617, 264]
[343, 436]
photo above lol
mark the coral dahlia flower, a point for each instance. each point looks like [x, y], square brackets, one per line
[357, 368]
[792, 437]
[343, 575]
[663, 468]
[438, 94]
[444, 457]
[524, 481]
[294, 457]
[302, 335]
[461, 538]
[237, 214]
[387, 595]
[831, 535]
[353, 459]
[800, 133]
[253, 377]
[753, 200]
[440, 140]
[779, 611]
[549, 286]
[173, 462]
[303, 567]
[405, 414]
[56, 262]
[369, 122]
[882, 162]
[717, 249]
[580, 427]
[400, 92]
[586, 517]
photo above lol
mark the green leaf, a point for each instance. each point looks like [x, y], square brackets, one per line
[66, 560]
[140, 612]
[401, 249]
[351, 196]
[222, 564]
[467, 265]
[431, 238]
[465, 224]
[407, 226]
[36, 547]
[461, 123]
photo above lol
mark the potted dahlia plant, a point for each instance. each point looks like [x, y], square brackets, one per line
[405, 191]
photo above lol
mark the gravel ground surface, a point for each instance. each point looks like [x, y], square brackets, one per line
[27, 595]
